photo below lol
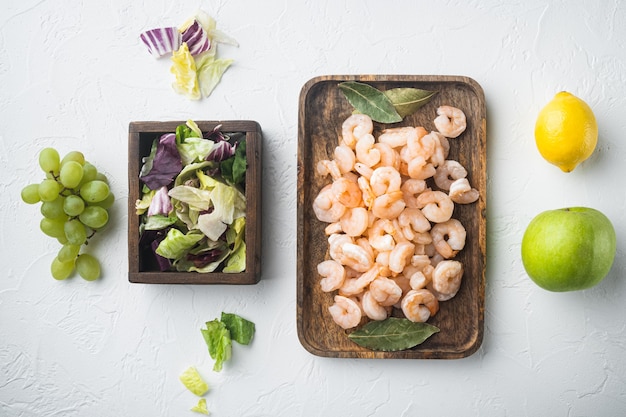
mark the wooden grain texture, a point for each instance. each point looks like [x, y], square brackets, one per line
[142, 268]
[322, 109]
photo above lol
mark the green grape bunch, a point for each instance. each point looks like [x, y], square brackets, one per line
[75, 200]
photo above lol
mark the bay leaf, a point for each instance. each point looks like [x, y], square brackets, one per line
[408, 100]
[370, 101]
[392, 334]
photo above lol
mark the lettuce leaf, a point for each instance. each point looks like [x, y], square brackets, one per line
[184, 70]
[176, 243]
[233, 169]
[217, 338]
[209, 71]
[241, 330]
[195, 149]
[195, 198]
[158, 222]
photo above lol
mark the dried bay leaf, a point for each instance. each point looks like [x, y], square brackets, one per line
[408, 100]
[392, 334]
[370, 101]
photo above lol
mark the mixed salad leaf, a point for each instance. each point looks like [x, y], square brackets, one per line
[193, 50]
[193, 202]
[220, 333]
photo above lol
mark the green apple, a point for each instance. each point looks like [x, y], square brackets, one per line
[568, 249]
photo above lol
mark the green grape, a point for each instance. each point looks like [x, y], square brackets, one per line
[107, 202]
[49, 190]
[71, 174]
[90, 173]
[30, 194]
[94, 217]
[49, 160]
[75, 232]
[73, 156]
[73, 205]
[102, 177]
[54, 209]
[62, 239]
[53, 227]
[94, 191]
[68, 252]
[61, 270]
[88, 267]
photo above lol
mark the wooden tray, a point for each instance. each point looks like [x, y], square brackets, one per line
[141, 265]
[322, 109]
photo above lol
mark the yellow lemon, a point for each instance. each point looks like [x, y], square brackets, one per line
[566, 132]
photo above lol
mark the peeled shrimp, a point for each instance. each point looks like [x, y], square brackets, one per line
[448, 237]
[326, 207]
[347, 192]
[380, 235]
[353, 286]
[450, 121]
[447, 173]
[333, 274]
[345, 312]
[446, 279]
[354, 128]
[397, 137]
[389, 157]
[419, 305]
[345, 158]
[436, 206]
[411, 188]
[419, 168]
[389, 206]
[385, 291]
[461, 192]
[385, 180]
[354, 222]
[365, 151]
[372, 308]
[400, 256]
[326, 167]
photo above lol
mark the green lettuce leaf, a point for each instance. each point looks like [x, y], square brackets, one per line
[194, 149]
[209, 71]
[176, 243]
[218, 340]
[195, 198]
[241, 330]
[159, 222]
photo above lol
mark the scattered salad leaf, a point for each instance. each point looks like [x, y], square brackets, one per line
[370, 101]
[176, 243]
[408, 100]
[193, 47]
[192, 380]
[217, 338]
[201, 407]
[241, 330]
[392, 334]
[161, 41]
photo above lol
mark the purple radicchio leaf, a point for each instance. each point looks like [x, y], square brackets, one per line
[166, 165]
[149, 241]
[196, 38]
[203, 259]
[161, 203]
[161, 41]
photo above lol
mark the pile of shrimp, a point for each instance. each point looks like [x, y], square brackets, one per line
[391, 234]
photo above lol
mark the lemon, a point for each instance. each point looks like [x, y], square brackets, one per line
[566, 132]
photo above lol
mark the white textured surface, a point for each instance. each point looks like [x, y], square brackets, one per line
[74, 74]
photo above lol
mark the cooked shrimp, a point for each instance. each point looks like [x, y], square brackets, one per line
[353, 286]
[411, 188]
[365, 244]
[448, 237]
[400, 256]
[420, 261]
[415, 219]
[380, 235]
[355, 256]
[384, 180]
[345, 158]
[446, 279]
[365, 151]
[450, 121]
[333, 274]
[367, 194]
[385, 291]
[389, 206]
[419, 305]
[354, 128]
[363, 170]
[397, 137]
[354, 222]
[345, 312]
[461, 192]
[332, 228]
[418, 280]
[347, 192]
[436, 206]
[448, 172]
[325, 167]
[423, 144]
[372, 308]
[420, 169]
[326, 207]
[389, 157]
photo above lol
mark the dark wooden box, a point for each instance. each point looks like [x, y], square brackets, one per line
[141, 268]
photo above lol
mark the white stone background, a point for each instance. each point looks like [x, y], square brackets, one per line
[73, 74]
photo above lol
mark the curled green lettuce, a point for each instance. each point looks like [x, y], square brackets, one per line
[176, 243]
